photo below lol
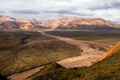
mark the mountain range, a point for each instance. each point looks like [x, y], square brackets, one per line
[63, 23]
[74, 22]
[7, 23]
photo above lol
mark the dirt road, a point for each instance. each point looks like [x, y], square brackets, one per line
[25, 74]
[91, 51]
[87, 56]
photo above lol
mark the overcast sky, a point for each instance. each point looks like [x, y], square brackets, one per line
[49, 9]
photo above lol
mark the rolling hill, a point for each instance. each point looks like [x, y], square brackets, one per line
[23, 50]
[107, 69]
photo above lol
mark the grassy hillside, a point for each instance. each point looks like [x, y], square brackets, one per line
[107, 37]
[108, 69]
[20, 51]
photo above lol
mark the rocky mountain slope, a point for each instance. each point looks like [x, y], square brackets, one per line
[76, 22]
[7, 23]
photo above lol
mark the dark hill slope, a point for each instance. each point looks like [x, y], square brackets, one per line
[20, 51]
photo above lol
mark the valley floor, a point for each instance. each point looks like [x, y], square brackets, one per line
[90, 52]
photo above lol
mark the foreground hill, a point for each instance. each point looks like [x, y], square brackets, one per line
[20, 51]
[79, 23]
[110, 52]
[107, 69]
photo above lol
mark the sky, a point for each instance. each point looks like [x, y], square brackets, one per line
[54, 9]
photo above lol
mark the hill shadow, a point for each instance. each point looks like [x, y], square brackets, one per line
[3, 78]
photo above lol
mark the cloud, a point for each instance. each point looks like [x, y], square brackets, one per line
[2, 11]
[108, 4]
[25, 12]
[47, 9]
[68, 12]
[64, 12]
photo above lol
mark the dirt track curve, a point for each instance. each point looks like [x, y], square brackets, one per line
[87, 56]
[25, 74]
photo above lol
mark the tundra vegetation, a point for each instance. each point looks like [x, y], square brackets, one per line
[23, 50]
[108, 69]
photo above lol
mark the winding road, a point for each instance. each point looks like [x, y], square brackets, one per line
[86, 58]
[25, 74]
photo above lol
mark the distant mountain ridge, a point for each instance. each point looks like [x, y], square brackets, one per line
[63, 23]
[76, 22]
[7, 23]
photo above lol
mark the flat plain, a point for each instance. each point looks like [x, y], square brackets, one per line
[106, 37]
